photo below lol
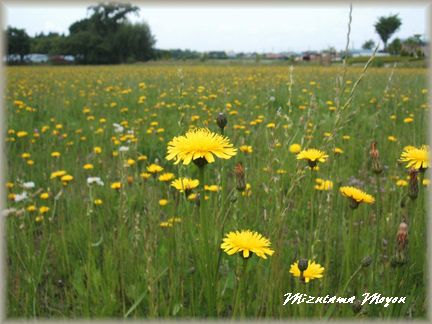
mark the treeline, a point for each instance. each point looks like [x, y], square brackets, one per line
[106, 37]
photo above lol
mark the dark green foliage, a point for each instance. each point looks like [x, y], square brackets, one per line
[368, 45]
[386, 27]
[106, 37]
[18, 42]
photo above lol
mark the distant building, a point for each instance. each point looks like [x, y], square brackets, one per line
[415, 49]
[275, 56]
[365, 52]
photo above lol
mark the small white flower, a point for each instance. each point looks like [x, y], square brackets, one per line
[118, 128]
[28, 185]
[97, 180]
[20, 197]
[123, 148]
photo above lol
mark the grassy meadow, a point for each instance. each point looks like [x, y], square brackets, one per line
[129, 245]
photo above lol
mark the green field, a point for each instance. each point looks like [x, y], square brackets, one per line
[135, 247]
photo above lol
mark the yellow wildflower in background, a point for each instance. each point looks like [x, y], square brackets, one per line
[313, 271]
[295, 148]
[88, 166]
[199, 145]
[154, 168]
[163, 202]
[57, 174]
[246, 242]
[164, 177]
[312, 156]
[356, 196]
[323, 184]
[185, 184]
[116, 185]
[246, 149]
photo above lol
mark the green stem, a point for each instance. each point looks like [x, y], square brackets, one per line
[240, 288]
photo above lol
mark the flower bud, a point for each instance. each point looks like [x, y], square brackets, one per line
[375, 159]
[353, 203]
[303, 264]
[413, 187]
[240, 177]
[221, 121]
[357, 306]
[366, 261]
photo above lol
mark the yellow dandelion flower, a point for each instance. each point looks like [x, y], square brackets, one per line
[44, 196]
[199, 145]
[246, 242]
[402, 183]
[43, 209]
[323, 185]
[165, 177]
[246, 149]
[426, 182]
[31, 208]
[88, 166]
[130, 162]
[312, 271]
[166, 224]
[185, 184]
[312, 156]
[212, 188]
[39, 218]
[116, 185]
[145, 175]
[57, 174]
[98, 202]
[392, 138]
[26, 155]
[337, 150]
[417, 158]
[55, 154]
[271, 125]
[408, 120]
[66, 178]
[97, 150]
[22, 134]
[295, 148]
[356, 196]
[154, 168]
[163, 202]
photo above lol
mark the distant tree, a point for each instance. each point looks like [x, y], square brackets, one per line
[18, 42]
[52, 43]
[386, 27]
[395, 47]
[108, 37]
[368, 45]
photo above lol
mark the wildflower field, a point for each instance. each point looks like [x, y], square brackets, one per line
[206, 191]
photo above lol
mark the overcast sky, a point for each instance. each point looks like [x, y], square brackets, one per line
[247, 28]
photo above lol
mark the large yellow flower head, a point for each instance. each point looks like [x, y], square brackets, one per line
[312, 156]
[312, 271]
[247, 242]
[356, 196]
[417, 158]
[199, 145]
[185, 184]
